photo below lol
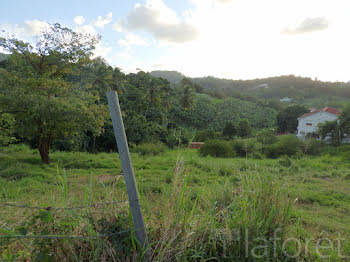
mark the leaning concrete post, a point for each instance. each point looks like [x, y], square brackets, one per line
[128, 171]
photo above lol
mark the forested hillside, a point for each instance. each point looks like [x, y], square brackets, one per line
[301, 90]
[154, 109]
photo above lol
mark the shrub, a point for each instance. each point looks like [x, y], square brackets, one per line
[266, 136]
[244, 128]
[312, 146]
[229, 130]
[205, 135]
[286, 145]
[180, 136]
[244, 147]
[149, 149]
[217, 148]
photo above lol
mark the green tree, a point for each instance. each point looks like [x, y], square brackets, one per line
[7, 129]
[345, 120]
[244, 128]
[332, 129]
[266, 136]
[287, 119]
[230, 130]
[35, 89]
[188, 98]
[187, 81]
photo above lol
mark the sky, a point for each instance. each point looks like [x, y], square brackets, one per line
[234, 39]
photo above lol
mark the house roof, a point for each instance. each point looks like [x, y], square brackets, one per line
[330, 110]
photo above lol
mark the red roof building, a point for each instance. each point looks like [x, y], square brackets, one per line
[330, 110]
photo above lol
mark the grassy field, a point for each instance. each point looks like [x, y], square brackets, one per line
[195, 208]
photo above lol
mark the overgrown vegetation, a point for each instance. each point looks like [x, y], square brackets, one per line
[195, 207]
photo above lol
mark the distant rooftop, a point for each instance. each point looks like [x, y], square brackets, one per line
[330, 110]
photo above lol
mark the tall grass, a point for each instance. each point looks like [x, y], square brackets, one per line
[213, 224]
[201, 209]
[183, 224]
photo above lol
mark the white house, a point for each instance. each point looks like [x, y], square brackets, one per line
[308, 123]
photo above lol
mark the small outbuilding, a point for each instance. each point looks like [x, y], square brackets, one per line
[196, 145]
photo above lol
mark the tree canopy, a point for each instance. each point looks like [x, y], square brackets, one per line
[36, 90]
[287, 118]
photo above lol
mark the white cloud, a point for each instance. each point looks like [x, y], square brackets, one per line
[102, 51]
[118, 26]
[101, 22]
[125, 55]
[308, 25]
[132, 39]
[243, 40]
[223, 1]
[79, 20]
[35, 27]
[157, 19]
[86, 29]
[26, 30]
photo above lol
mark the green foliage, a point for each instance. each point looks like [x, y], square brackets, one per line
[188, 97]
[188, 82]
[3, 57]
[312, 146]
[209, 113]
[286, 145]
[345, 120]
[287, 119]
[171, 76]
[315, 93]
[7, 129]
[216, 148]
[285, 161]
[34, 88]
[245, 147]
[202, 204]
[149, 149]
[230, 130]
[266, 136]
[204, 135]
[179, 136]
[244, 128]
[332, 129]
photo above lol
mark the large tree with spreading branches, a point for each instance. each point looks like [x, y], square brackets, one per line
[35, 86]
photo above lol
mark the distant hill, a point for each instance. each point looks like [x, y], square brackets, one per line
[302, 90]
[298, 88]
[172, 76]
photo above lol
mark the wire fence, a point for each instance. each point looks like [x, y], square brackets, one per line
[62, 208]
[52, 208]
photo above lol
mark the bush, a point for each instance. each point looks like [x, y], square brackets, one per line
[266, 136]
[288, 145]
[312, 146]
[244, 147]
[217, 148]
[179, 136]
[149, 149]
[205, 135]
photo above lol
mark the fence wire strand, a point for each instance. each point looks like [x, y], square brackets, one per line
[62, 208]
[48, 208]
[64, 236]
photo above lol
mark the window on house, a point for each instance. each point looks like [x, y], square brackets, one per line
[309, 124]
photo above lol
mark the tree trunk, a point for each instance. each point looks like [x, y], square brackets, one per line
[44, 149]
